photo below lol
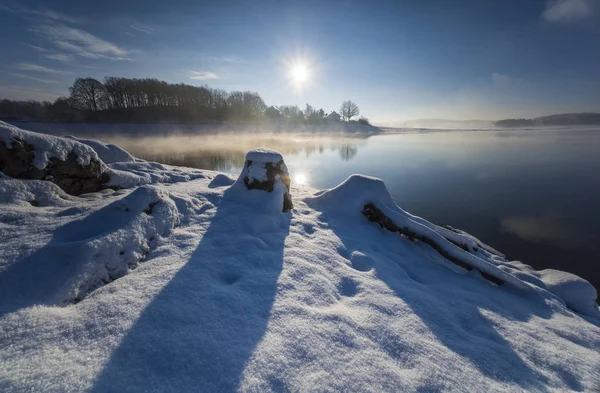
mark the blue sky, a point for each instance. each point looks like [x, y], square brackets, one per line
[398, 60]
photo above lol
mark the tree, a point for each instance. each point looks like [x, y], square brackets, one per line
[363, 120]
[348, 110]
[87, 93]
[272, 113]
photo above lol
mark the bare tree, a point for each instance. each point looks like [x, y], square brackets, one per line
[87, 93]
[348, 110]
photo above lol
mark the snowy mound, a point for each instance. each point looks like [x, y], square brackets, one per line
[137, 173]
[32, 192]
[195, 285]
[577, 293]
[108, 153]
[47, 147]
[357, 192]
[102, 246]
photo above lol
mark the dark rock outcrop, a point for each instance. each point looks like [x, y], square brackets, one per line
[17, 161]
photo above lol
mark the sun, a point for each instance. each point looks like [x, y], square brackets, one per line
[299, 73]
[300, 178]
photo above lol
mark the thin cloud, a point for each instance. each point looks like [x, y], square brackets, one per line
[227, 59]
[564, 11]
[39, 68]
[203, 75]
[142, 28]
[44, 13]
[36, 48]
[59, 57]
[80, 42]
[33, 78]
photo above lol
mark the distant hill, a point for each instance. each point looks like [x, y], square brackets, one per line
[446, 124]
[566, 119]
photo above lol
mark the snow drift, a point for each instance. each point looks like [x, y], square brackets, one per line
[188, 280]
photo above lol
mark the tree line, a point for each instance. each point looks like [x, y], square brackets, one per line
[148, 99]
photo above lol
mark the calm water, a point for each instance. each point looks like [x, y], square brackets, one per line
[532, 194]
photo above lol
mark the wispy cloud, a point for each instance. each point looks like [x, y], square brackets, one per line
[35, 47]
[143, 28]
[59, 57]
[565, 11]
[227, 59]
[44, 13]
[39, 68]
[33, 78]
[203, 75]
[80, 42]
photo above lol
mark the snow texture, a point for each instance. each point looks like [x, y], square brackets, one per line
[365, 189]
[31, 192]
[47, 147]
[263, 154]
[577, 293]
[190, 284]
[137, 173]
[257, 160]
[107, 152]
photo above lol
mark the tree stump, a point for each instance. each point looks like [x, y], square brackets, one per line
[264, 169]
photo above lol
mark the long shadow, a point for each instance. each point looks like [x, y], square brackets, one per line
[200, 330]
[41, 278]
[452, 305]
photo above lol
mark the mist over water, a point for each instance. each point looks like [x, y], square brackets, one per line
[532, 194]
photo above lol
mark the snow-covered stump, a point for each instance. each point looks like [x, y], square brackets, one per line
[265, 169]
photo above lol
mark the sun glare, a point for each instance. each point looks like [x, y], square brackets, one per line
[300, 178]
[299, 73]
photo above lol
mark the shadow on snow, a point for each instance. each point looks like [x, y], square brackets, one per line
[200, 330]
[453, 308]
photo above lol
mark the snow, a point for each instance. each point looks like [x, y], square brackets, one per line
[354, 193]
[108, 153]
[263, 154]
[188, 281]
[256, 161]
[137, 173]
[31, 192]
[47, 147]
[577, 293]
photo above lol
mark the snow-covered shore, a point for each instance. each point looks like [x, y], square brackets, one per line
[182, 281]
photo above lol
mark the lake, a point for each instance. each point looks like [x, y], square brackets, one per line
[532, 194]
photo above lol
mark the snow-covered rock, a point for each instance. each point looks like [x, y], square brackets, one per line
[47, 147]
[107, 152]
[357, 192]
[265, 170]
[73, 166]
[192, 283]
[79, 166]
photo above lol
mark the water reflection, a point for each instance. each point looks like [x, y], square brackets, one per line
[227, 152]
[348, 151]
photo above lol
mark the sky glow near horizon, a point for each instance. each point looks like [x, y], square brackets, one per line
[397, 60]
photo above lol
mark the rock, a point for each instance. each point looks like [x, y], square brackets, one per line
[74, 178]
[263, 170]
